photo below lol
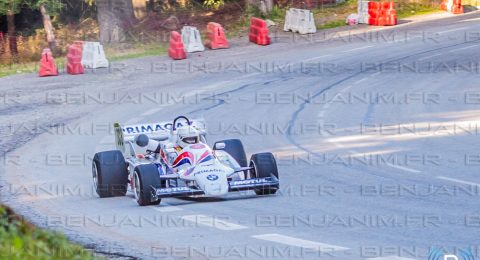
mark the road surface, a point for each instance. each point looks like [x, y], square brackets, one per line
[375, 132]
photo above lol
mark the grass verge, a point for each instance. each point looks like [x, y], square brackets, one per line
[412, 9]
[21, 240]
[14, 68]
[114, 53]
[117, 53]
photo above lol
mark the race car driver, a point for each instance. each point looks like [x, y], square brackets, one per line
[181, 138]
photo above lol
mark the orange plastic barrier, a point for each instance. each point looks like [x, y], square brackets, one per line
[176, 51]
[457, 7]
[47, 64]
[382, 13]
[74, 60]
[216, 38]
[258, 32]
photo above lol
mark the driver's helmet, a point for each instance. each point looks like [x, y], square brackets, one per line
[187, 135]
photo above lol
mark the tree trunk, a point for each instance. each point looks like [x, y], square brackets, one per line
[12, 39]
[264, 6]
[47, 24]
[2, 45]
[115, 17]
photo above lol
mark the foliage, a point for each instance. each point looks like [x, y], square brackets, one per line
[332, 24]
[10, 5]
[53, 6]
[215, 4]
[21, 240]
[276, 14]
[405, 9]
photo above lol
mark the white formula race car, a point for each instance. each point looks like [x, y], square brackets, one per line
[148, 162]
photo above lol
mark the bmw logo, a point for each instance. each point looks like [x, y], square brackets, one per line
[212, 177]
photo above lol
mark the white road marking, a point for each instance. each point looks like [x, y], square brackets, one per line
[403, 168]
[318, 57]
[292, 241]
[213, 222]
[458, 181]
[153, 110]
[165, 207]
[360, 80]
[398, 40]
[398, 167]
[431, 56]
[453, 30]
[132, 121]
[464, 48]
[365, 78]
[360, 48]
[468, 20]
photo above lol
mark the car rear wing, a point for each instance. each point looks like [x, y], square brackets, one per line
[159, 131]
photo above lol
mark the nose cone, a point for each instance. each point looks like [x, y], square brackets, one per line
[212, 178]
[214, 184]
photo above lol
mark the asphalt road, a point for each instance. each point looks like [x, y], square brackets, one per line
[375, 133]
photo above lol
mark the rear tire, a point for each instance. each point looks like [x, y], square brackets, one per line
[234, 147]
[146, 179]
[110, 175]
[264, 165]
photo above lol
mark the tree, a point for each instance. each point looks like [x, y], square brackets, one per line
[114, 19]
[47, 7]
[10, 8]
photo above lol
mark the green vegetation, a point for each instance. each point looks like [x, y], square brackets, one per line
[332, 24]
[139, 50]
[409, 9]
[14, 68]
[113, 53]
[215, 4]
[20, 240]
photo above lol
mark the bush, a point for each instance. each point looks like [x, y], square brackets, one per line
[21, 240]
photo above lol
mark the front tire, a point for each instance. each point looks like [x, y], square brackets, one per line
[264, 165]
[146, 180]
[110, 175]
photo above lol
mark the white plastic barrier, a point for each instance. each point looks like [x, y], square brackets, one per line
[288, 20]
[362, 6]
[192, 41]
[362, 10]
[449, 6]
[93, 56]
[299, 20]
